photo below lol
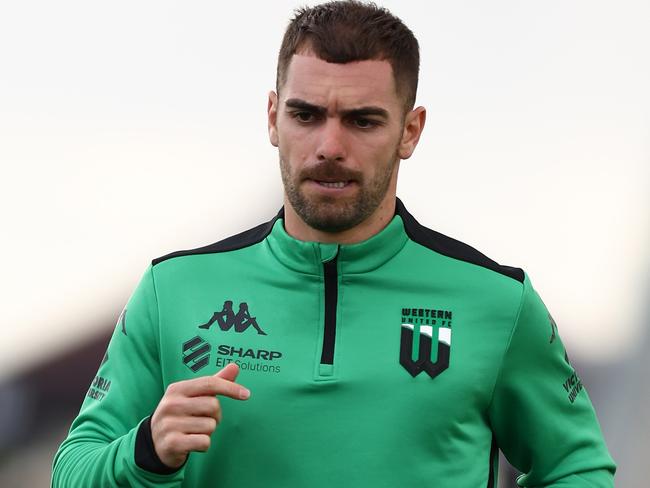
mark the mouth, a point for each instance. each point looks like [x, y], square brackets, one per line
[333, 184]
[331, 187]
[331, 180]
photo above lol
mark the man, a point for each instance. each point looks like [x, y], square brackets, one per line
[338, 317]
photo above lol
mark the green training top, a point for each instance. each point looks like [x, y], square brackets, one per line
[407, 360]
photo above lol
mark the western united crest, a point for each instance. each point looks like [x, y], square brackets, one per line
[428, 323]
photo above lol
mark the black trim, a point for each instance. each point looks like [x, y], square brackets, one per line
[451, 247]
[145, 453]
[330, 275]
[494, 451]
[239, 241]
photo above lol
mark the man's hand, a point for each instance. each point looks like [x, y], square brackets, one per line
[189, 412]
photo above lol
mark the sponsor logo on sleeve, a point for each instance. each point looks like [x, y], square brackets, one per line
[99, 388]
[573, 386]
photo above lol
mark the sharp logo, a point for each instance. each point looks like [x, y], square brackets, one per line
[226, 319]
[426, 320]
[196, 353]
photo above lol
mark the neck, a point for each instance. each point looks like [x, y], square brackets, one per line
[374, 224]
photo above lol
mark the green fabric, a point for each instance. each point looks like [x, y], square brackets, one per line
[362, 420]
[99, 450]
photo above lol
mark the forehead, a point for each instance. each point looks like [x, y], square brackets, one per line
[359, 83]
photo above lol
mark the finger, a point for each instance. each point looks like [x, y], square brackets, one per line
[206, 406]
[189, 442]
[228, 372]
[181, 406]
[192, 425]
[213, 385]
[208, 385]
[198, 442]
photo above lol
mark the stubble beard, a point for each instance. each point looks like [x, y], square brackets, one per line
[337, 214]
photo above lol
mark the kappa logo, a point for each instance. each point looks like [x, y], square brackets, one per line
[426, 320]
[227, 319]
[196, 353]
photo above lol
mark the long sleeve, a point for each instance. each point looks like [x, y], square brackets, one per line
[540, 413]
[100, 448]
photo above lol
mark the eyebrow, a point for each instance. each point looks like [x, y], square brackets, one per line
[354, 112]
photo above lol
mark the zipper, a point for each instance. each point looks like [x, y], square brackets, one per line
[330, 275]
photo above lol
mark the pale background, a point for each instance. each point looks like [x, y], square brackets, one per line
[132, 129]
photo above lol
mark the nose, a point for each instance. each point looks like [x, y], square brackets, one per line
[331, 144]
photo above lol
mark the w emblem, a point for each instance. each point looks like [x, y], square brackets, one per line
[424, 362]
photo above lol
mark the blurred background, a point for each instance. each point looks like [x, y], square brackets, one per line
[131, 129]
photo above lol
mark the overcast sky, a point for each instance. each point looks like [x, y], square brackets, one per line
[130, 129]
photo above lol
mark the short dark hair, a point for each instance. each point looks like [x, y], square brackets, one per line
[346, 31]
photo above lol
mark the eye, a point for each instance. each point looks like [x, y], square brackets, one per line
[303, 116]
[363, 123]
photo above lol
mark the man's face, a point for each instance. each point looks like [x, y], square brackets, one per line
[339, 129]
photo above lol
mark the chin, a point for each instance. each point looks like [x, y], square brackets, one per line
[335, 217]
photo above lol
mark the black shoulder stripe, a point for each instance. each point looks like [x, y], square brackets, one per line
[232, 243]
[451, 247]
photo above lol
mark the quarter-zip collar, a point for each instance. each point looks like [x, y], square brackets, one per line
[308, 257]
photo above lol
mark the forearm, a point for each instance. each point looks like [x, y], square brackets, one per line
[85, 460]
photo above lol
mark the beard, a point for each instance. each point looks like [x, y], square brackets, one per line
[336, 214]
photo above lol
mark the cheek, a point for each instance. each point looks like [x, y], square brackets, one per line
[379, 153]
[294, 148]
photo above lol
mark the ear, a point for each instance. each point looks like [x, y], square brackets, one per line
[413, 126]
[272, 111]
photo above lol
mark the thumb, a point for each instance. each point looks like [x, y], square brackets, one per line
[228, 372]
